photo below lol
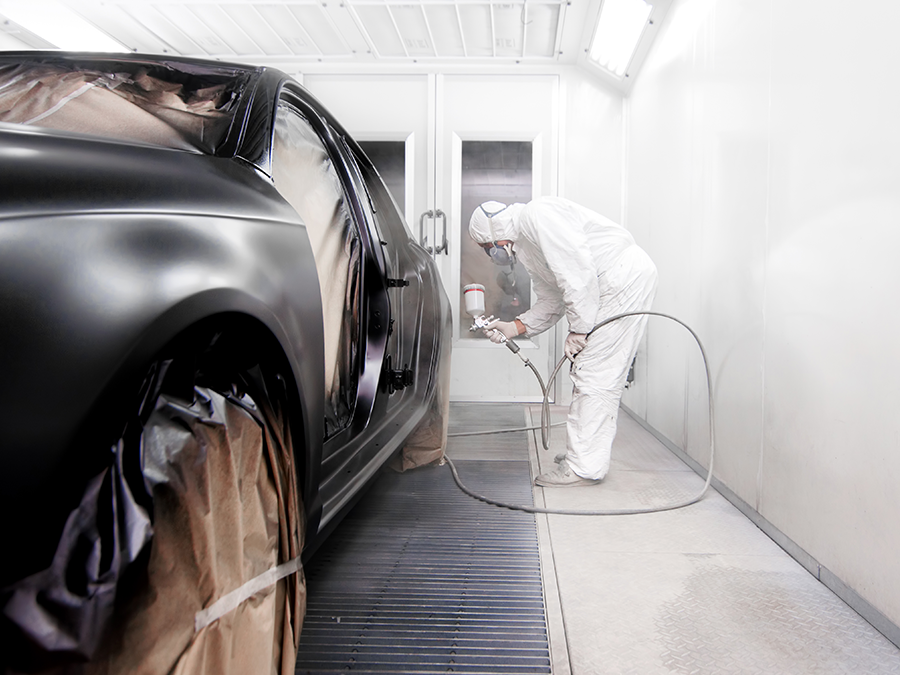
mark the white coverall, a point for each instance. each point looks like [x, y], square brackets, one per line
[589, 268]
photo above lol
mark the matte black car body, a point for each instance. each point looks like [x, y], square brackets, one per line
[110, 252]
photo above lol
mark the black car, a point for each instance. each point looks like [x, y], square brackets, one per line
[215, 328]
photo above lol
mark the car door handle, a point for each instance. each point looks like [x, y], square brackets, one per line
[443, 248]
[423, 240]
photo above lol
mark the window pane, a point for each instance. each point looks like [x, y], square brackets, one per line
[499, 171]
[305, 176]
[138, 102]
[389, 158]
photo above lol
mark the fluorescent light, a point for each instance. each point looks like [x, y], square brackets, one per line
[59, 26]
[619, 30]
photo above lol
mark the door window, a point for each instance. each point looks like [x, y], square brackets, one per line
[389, 158]
[498, 171]
[305, 175]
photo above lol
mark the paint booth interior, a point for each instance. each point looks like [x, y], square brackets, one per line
[751, 150]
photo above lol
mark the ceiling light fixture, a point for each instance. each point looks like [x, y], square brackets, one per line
[60, 26]
[619, 29]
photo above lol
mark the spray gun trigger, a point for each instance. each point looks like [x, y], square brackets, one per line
[482, 322]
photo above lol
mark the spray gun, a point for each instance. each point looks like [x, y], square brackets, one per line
[474, 296]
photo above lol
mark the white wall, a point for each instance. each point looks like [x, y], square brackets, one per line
[590, 125]
[591, 144]
[591, 169]
[763, 177]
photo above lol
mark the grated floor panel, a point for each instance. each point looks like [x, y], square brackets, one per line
[420, 578]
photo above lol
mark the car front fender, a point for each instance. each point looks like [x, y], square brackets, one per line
[88, 299]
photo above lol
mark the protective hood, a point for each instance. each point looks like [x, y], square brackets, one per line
[494, 221]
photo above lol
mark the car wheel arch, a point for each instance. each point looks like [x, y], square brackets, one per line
[253, 337]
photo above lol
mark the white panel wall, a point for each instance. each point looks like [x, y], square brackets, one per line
[763, 177]
[591, 169]
[591, 144]
[590, 125]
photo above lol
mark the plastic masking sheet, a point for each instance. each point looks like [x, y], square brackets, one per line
[428, 442]
[226, 519]
[132, 106]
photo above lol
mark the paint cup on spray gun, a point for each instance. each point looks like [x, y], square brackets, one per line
[474, 295]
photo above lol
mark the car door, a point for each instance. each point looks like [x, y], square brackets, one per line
[405, 263]
[311, 171]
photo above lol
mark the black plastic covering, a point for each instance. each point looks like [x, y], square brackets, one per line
[214, 479]
[63, 611]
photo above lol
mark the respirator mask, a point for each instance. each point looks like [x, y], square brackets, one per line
[500, 255]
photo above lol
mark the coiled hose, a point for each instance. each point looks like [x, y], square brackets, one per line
[545, 436]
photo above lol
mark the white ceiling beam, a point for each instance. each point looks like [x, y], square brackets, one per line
[259, 30]
[493, 32]
[283, 22]
[397, 28]
[560, 25]
[229, 30]
[462, 33]
[321, 28]
[344, 22]
[159, 25]
[192, 26]
[524, 26]
[428, 30]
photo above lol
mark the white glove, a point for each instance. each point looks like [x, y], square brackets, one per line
[502, 329]
[575, 342]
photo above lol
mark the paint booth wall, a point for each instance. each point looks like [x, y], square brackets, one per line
[587, 135]
[763, 159]
[591, 145]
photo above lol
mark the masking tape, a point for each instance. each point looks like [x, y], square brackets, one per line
[231, 600]
[65, 99]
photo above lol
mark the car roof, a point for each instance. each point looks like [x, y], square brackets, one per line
[172, 102]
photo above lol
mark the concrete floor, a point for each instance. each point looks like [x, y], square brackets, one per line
[697, 590]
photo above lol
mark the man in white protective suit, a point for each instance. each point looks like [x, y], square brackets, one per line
[588, 268]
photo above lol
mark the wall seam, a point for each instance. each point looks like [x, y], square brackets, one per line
[765, 280]
[562, 128]
[623, 177]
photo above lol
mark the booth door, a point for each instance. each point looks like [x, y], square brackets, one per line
[444, 144]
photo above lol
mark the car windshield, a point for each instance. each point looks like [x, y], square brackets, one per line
[165, 104]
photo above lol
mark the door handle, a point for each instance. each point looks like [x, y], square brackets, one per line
[423, 240]
[443, 248]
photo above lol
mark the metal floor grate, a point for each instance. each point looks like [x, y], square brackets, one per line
[420, 578]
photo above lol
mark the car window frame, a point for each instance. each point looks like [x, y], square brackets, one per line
[345, 165]
[374, 302]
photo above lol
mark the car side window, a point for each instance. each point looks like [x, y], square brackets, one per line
[304, 174]
[387, 213]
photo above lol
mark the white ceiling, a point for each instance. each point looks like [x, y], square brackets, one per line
[298, 30]
[293, 34]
